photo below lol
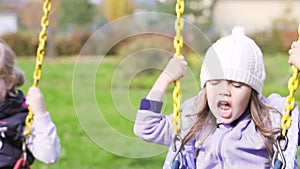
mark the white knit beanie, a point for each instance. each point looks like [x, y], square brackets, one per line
[235, 57]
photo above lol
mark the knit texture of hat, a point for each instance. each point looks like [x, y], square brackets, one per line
[235, 57]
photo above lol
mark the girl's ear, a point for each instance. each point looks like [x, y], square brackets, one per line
[10, 81]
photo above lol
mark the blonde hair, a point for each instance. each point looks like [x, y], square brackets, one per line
[7, 67]
[260, 114]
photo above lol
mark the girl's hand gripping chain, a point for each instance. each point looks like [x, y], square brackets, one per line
[294, 53]
[176, 68]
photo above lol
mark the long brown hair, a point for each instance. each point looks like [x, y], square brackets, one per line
[260, 114]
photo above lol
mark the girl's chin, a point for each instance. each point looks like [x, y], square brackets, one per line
[226, 114]
[225, 117]
[227, 121]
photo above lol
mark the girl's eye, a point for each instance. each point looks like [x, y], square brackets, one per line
[237, 85]
[214, 82]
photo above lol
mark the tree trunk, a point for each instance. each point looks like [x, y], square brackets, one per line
[50, 43]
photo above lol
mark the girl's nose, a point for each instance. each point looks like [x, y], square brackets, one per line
[224, 88]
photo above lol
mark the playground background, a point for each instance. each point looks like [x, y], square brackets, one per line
[78, 150]
[69, 31]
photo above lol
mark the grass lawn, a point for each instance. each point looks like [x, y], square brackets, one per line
[93, 102]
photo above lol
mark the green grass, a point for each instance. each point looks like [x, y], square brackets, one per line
[95, 122]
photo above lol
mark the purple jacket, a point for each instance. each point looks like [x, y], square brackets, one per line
[237, 145]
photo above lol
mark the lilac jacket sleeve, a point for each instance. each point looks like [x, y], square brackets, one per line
[152, 126]
[298, 129]
[44, 142]
[275, 100]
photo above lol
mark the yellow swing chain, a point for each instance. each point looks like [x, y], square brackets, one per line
[178, 44]
[39, 58]
[293, 84]
[278, 160]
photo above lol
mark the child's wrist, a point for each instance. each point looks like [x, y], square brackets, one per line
[167, 77]
[40, 113]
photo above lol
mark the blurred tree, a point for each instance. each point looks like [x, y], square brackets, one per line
[30, 14]
[76, 13]
[53, 26]
[114, 9]
[30, 18]
[167, 7]
[200, 12]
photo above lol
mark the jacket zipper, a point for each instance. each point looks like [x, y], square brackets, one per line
[219, 148]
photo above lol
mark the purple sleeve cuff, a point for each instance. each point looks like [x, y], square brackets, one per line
[151, 105]
[298, 129]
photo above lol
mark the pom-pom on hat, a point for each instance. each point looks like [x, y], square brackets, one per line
[235, 57]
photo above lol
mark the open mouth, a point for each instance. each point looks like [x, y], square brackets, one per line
[225, 109]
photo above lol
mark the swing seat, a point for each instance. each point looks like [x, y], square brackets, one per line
[19, 164]
[278, 164]
[175, 164]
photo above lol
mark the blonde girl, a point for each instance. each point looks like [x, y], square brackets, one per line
[43, 143]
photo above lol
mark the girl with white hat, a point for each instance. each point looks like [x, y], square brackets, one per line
[229, 124]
